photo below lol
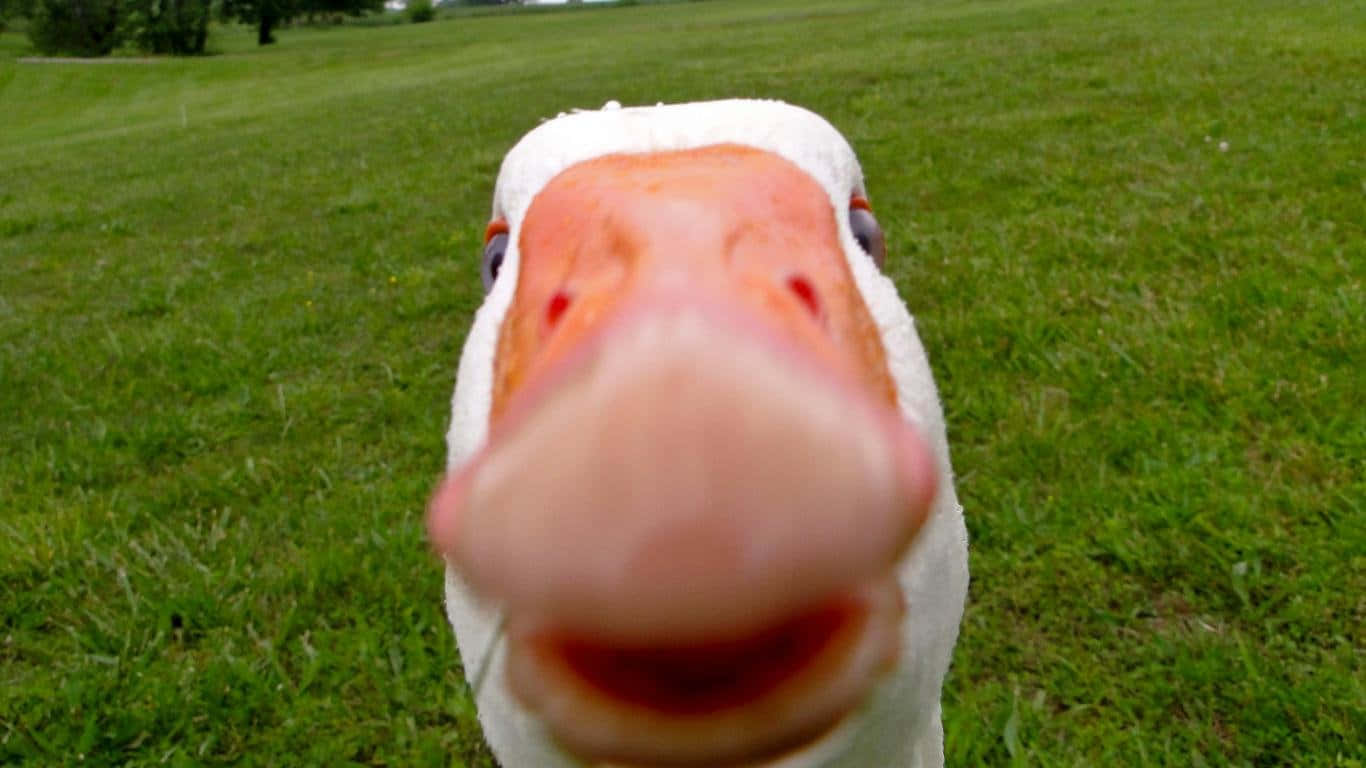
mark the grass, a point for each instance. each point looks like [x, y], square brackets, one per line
[233, 290]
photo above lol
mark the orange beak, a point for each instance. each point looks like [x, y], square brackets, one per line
[695, 463]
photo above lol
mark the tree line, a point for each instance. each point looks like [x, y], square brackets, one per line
[97, 27]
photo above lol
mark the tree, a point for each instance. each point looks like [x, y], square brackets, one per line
[339, 7]
[265, 14]
[96, 27]
[420, 11]
[167, 26]
[269, 14]
[75, 27]
[13, 9]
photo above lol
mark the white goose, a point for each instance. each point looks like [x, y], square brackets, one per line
[699, 509]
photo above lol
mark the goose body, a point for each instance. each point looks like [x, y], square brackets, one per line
[698, 508]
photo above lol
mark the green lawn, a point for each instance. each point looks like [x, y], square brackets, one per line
[233, 291]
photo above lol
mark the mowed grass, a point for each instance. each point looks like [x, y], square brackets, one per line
[233, 291]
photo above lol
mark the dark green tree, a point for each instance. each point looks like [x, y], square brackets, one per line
[167, 26]
[420, 11]
[265, 14]
[13, 9]
[75, 27]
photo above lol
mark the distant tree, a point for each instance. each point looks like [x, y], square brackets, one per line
[75, 27]
[420, 11]
[14, 9]
[265, 14]
[269, 14]
[338, 8]
[166, 26]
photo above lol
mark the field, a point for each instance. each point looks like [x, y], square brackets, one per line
[233, 291]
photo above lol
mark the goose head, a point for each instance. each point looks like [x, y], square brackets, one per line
[698, 508]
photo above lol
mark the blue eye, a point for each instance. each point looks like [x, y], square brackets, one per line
[868, 234]
[494, 251]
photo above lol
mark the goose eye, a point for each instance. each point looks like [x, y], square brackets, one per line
[867, 232]
[493, 260]
[495, 247]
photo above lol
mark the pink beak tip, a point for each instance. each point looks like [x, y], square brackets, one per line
[443, 513]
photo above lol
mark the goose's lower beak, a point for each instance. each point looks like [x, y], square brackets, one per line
[689, 511]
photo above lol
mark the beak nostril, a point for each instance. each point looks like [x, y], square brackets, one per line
[806, 293]
[556, 308]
